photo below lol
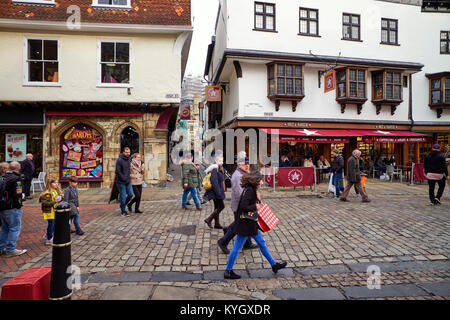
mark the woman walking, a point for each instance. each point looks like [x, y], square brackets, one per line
[217, 193]
[245, 228]
[137, 178]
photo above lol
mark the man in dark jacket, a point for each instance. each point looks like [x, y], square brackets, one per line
[337, 171]
[354, 177]
[12, 216]
[27, 168]
[436, 171]
[123, 179]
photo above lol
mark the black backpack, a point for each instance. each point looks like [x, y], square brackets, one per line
[3, 194]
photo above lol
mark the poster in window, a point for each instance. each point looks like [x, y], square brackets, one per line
[16, 147]
[81, 152]
[329, 81]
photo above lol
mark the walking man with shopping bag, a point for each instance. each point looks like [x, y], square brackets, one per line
[354, 177]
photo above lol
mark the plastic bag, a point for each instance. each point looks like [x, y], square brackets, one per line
[331, 187]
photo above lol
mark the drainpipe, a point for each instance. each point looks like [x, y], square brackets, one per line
[410, 112]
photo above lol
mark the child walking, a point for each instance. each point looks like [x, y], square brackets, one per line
[51, 196]
[71, 197]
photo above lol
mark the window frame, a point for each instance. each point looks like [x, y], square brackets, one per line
[351, 24]
[445, 40]
[388, 29]
[442, 90]
[384, 97]
[308, 20]
[347, 83]
[285, 95]
[264, 15]
[100, 84]
[26, 69]
[112, 6]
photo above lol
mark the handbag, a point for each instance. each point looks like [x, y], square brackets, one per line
[252, 215]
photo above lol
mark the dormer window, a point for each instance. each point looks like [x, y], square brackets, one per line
[285, 83]
[351, 87]
[387, 89]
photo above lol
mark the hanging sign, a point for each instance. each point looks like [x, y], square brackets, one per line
[329, 81]
[213, 93]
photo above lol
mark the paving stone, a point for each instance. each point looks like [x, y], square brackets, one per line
[394, 290]
[323, 270]
[268, 273]
[401, 266]
[175, 276]
[174, 293]
[441, 289]
[309, 294]
[127, 293]
[216, 295]
[121, 277]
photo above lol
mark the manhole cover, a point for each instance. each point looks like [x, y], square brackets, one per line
[186, 230]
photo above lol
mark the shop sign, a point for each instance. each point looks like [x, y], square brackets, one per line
[329, 81]
[311, 140]
[386, 127]
[16, 147]
[213, 93]
[395, 140]
[295, 176]
[297, 125]
[185, 112]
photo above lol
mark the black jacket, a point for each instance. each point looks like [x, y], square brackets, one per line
[14, 184]
[27, 168]
[123, 169]
[245, 227]
[217, 181]
[435, 163]
[337, 165]
[72, 199]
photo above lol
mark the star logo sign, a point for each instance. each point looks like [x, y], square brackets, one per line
[295, 176]
[309, 133]
[383, 132]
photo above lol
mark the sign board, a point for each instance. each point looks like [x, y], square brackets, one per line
[213, 93]
[16, 147]
[185, 112]
[329, 81]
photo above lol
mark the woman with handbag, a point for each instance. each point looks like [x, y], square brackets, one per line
[137, 179]
[246, 224]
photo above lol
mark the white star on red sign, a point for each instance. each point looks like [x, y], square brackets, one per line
[309, 133]
[295, 176]
[383, 132]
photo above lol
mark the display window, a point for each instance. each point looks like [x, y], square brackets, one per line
[81, 150]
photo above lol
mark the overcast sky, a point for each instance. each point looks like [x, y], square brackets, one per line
[204, 14]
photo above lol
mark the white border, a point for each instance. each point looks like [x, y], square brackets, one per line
[99, 67]
[27, 83]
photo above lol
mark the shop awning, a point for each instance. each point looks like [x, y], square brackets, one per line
[342, 135]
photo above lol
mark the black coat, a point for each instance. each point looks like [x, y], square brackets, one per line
[123, 169]
[435, 163]
[217, 181]
[337, 165]
[14, 185]
[245, 227]
[27, 168]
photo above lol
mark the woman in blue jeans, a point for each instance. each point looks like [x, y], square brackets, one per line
[245, 228]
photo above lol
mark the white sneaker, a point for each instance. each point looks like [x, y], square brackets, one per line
[49, 242]
[16, 253]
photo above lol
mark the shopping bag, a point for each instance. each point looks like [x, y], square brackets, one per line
[364, 181]
[266, 218]
[331, 187]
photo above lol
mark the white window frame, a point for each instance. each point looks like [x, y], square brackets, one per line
[96, 4]
[26, 81]
[48, 2]
[99, 65]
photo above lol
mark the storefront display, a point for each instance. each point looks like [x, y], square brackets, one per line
[81, 154]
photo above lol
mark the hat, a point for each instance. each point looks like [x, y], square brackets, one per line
[437, 146]
[242, 160]
[336, 151]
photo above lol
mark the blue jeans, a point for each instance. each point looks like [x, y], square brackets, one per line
[75, 219]
[126, 193]
[50, 228]
[11, 224]
[336, 178]
[239, 243]
[193, 191]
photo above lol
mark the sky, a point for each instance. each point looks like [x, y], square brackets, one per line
[204, 14]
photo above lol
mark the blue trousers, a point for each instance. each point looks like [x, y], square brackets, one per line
[193, 191]
[239, 243]
[11, 225]
[75, 219]
[126, 193]
[50, 228]
[336, 178]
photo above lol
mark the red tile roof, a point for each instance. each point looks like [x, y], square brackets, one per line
[149, 12]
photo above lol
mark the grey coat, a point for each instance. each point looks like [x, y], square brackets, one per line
[72, 199]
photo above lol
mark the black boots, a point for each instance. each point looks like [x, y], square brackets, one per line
[229, 274]
[278, 266]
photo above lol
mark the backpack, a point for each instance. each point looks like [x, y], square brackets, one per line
[206, 183]
[3, 194]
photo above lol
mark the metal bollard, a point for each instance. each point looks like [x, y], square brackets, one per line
[61, 255]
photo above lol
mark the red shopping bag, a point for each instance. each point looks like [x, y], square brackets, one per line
[266, 218]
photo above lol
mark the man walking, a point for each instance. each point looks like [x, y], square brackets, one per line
[436, 171]
[27, 169]
[11, 216]
[354, 177]
[236, 191]
[337, 169]
[123, 180]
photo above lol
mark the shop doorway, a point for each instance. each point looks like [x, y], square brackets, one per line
[130, 138]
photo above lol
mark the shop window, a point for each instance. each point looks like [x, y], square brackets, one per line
[285, 83]
[81, 150]
[439, 91]
[112, 3]
[42, 62]
[387, 89]
[351, 87]
[130, 138]
[115, 63]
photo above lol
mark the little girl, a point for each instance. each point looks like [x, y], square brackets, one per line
[49, 199]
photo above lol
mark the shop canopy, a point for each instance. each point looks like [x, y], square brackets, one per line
[342, 135]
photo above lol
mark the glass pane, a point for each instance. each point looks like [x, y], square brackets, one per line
[271, 86]
[259, 8]
[280, 69]
[35, 71]
[298, 86]
[341, 90]
[361, 76]
[397, 92]
[352, 89]
[313, 14]
[393, 36]
[269, 23]
[435, 84]
[298, 72]
[384, 23]
[51, 71]
[115, 73]
[259, 22]
[435, 96]
[389, 91]
[271, 72]
[313, 27]
[444, 46]
[107, 51]
[341, 75]
[355, 20]
[303, 13]
[346, 18]
[443, 35]
[393, 24]
[396, 77]
[361, 90]
[122, 52]
[289, 70]
[389, 77]
[384, 36]
[447, 96]
[378, 92]
[289, 86]
[35, 49]
[352, 75]
[355, 32]
[269, 9]
[50, 50]
[280, 86]
[346, 32]
[447, 83]
[303, 26]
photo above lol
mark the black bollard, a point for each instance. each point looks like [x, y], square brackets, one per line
[61, 255]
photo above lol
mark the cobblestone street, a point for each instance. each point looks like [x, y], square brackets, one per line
[167, 253]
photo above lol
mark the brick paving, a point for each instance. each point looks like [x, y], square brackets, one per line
[327, 243]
